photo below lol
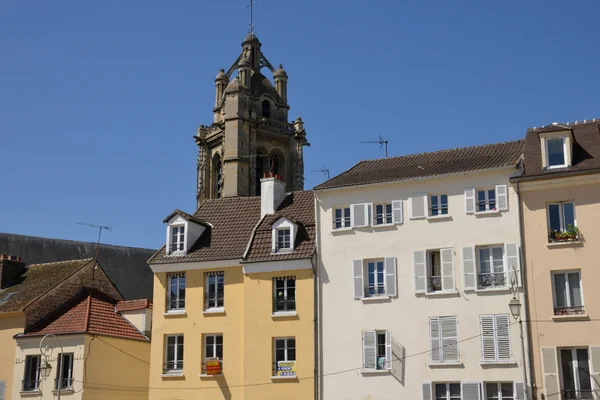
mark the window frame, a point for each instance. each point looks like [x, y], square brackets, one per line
[439, 206]
[280, 245]
[561, 215]
[212, 302]
[69, 372]
[504, 272]
[214, 347]
[376, 262]
[286, 349]
[567, 288]
[564, 148]
[448, 395]
[386, 215]
[177, 361]
[286, 280]
[487, 200]
[178, 246]
[177, 275]
[498, 391]
[27, 372]
[344, 221]
[429, 276]
[575, 367]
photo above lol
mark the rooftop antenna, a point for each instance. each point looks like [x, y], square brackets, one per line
[324, 171]
[100, 228]
[381, 142]
[251, 7]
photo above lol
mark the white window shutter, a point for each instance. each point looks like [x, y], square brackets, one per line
[471, 391]
[447, 269]
[469, 268]
[449, 335]
[520, 391]
[427, 391]
[503, 350]
[2, 389]
[488, 341]
[419, 271]
[470, 201]
[357, 269]
[359, 215]
[369, 349]
[595, 356]
[501, 198]
[418, 206]
[434, 339]
[513, 266]
[388, 349]
[390, 277]
[397, 211]
[550, 369]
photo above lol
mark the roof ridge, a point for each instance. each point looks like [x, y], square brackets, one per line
[76, 241]
[86, 322]
[568, 124]
[61, 262]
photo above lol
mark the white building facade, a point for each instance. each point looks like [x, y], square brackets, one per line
[415, 276]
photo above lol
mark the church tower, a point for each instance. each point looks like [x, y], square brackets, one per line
[250, 137]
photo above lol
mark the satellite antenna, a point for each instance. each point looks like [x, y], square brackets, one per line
[100, 229]
[381, 142]
[324, 171]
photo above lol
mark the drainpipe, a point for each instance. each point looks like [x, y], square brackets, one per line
[316, 303]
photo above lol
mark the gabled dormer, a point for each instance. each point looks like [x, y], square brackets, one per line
[557, 147]
[283, 235]
[183, 230]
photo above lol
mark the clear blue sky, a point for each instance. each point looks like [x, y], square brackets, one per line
[99, 100]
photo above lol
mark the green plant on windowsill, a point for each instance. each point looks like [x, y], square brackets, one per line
[571, 234]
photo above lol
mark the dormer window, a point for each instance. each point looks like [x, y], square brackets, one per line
[183, 230]
[284, 239]
[557, 149]
[284, 234]
[177, 238]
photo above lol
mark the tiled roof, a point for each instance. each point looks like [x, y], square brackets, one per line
[132, 305]
[92, 313]
[231, 219]
[586, 150]
[37, 280]
[443, 162]
[298, 207]
[186, 216]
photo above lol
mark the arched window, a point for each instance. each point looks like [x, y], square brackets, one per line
[266, 109]
[217, 177]
[262, 161]
[276, 166]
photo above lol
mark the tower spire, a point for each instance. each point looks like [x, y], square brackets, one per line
[251, 7]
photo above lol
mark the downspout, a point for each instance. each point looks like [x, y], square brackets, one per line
[316, 302]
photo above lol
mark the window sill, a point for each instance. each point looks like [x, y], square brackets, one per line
[566, 243]
[214, 311]
[205, 376]
[341, 231]
[172, 375]
[375, 299]
[442, 217]
[284, 314]
[441, 293]
[31, 393]
[176, 254]
[375, 371]
[383, 226]
[498, 363]
[453, 364]
[280, 252]
[284, 378]
[63, 391]
[174, 313]
[571, 317]
[498, 289]
[487, 213]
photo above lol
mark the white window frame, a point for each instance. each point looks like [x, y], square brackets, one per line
[285, 280]
[561, 214]
[439, 205]
[447, 384]
[177, 361]
[385, 216]
[567, 286]
[499, 390]
[212, 304]
[177, 276]
[177, 247]
[565, 152]
[205, 348]
[575, 365]
[67, 374]
[37, 379]
[491, 261]
[281, 245]
[375, 261]
[487, 200]
[345, 222]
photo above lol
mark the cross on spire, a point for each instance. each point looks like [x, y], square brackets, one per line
[251, 7]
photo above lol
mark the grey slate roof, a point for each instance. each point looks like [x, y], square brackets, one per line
[126, 266]
[423, 165]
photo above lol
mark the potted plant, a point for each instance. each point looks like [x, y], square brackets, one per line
[572, 232]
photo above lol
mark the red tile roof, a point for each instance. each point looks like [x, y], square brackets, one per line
[131, 305]
[92, 313]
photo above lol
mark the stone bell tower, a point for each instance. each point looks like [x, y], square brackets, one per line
[250, 136]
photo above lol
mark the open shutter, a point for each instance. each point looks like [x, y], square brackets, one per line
[550, 368]
[513, 266]
[471, 390]
[397, 211]
[357, 268]
[398, 354]
[502, 337]
[390, 277]
[427, 391]
[470, 201]
[369, 349]
[388, 349]
[449, 334]
[488, 342]
[359, 215]
[595, 356]
[434, 339]
[2, 389]
[447, 269]
[418, 206]
[419, 272]
[469, 268]
[520, 391]
[501, 198]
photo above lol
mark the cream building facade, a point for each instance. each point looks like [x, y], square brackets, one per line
[419, 257]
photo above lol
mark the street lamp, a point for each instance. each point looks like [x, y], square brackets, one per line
[47, 352]
[45, 369]
[515, 308]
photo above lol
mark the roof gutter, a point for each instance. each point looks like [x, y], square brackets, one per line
[564, 174]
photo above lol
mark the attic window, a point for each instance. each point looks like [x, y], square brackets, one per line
[284, 239]
[177, 238]
[556, 149]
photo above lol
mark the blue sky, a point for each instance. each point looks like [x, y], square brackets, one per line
[99, 100]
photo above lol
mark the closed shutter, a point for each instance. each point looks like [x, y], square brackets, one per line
[397, 211]
[418, 206]
[447, 269]
[520, 391]
[369, 349]
[388, 349]
[488, 342]
[471, 391]
[469, 268]
[420, 274]
[470, 201]
[359, 215]
[449, 334]
[390, 277]
[513, 266]
[550, 369]
[434, 339]
[501, 198]
[426, 391]
[595, 356]
[502, 337]
[2, 389]
[357, 268]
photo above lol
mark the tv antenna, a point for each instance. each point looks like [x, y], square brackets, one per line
[100, 229]
[324, 171]
[381, 143]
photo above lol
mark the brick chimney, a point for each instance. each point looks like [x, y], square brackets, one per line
[11, 267]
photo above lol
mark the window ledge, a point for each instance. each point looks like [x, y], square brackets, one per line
[383, 226]
[65, 391]
[172, 375]
[452, 364]
[31, 393]
[172, 313]
[571, 317]
[494, 289]
[284, 378]
[498, 363]
[214, 311]
[280, 252]
[176, 254]
[341, 230]
[204, 376]
[375, 299]
[565, 243]
[442, 217]
[283, 314]
[487, 213]
[375, 371]
[441, 293]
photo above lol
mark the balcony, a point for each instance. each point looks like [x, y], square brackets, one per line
[31, 385]
[576, 394]
[575, 310]
[493, 279]
[435, 283]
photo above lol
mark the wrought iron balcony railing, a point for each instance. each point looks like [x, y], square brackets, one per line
[280, 305]
[492, 279]
[65, 383]
[214, 300]
[173, 367]
[435, 283]
[569, 310]
[577, 394]
[373, 291]
[31, 385]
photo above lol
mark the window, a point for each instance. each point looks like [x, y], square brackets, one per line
[177, 238]
[375, 278]
[556, 152]
[486, 200]
[377, 350]
[447, 391]
[217, 178]
[495, 338]
[491, 267]
[434, 270]
[568, 298]
[173, 354]
[176, 300]
[213, 351]
[214, 290]
[31, 380]
[576, 377]
[266, 109]
[561, 218]
[499, 391]
[284, 294]
[284, 357]
[383, 214]
[66, 380]
[443, 334]
[284, 239]
[438, 205]
[341, 218]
